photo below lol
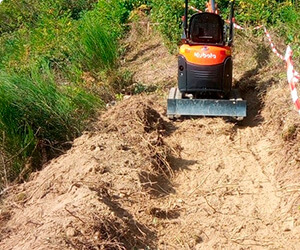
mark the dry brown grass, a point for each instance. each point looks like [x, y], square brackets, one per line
[152, 66]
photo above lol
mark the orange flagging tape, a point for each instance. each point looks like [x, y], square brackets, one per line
[272, 44]
[195, 9]
[293, 77]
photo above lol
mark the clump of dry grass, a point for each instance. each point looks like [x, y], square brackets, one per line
[103, 233]
[142, 126]
[137, 123]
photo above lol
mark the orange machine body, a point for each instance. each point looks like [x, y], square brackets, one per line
[204, 54]
[204, 60]
[205, 67]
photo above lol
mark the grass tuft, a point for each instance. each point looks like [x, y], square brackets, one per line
[35, 111]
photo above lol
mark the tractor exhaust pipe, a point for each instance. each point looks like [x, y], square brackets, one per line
[231, 30]
[186, 9]
[213, 6]
[185, 22]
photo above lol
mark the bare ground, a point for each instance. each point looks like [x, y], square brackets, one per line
[140, 181]
[230, 196]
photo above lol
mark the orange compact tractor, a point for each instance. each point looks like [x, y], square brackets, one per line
[205, 68]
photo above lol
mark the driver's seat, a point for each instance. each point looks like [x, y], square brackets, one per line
[206, 28]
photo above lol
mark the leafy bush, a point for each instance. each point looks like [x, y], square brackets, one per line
[47, 40]
[77, 7]
[15, 13]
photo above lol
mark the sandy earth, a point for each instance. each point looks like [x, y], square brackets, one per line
[228, 192]
[139, 181]
[221, 193]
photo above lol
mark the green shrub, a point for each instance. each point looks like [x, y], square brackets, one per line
[15, 13]
[77, 7]
[49, 40]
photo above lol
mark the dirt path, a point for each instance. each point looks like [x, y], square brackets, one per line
[227, 190]
[226, 185]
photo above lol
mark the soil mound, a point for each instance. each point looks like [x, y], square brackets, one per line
[92, 197]
[142, 127]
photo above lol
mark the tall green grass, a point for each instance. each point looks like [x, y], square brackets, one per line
[99, 41]
[46, 47]
[35, 111]
[100, 31]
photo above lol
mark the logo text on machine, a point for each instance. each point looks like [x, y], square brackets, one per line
[204, 55]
